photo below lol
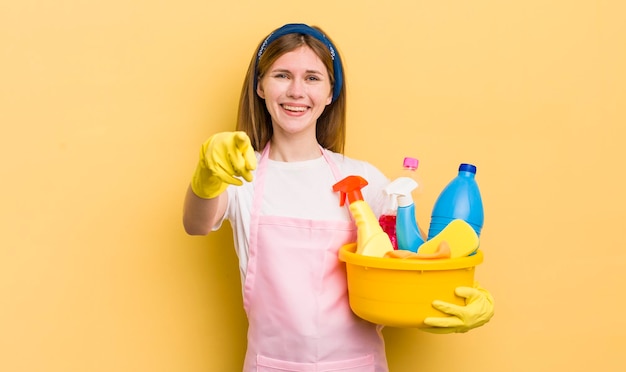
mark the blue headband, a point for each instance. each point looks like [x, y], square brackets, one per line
[299, 28]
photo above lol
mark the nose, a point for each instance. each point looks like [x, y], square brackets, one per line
[296, 89]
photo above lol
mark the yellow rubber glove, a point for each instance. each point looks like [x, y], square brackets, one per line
[478, 309]
[223, 157]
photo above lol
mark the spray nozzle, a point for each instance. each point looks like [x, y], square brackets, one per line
[402, 187]
[350, 187]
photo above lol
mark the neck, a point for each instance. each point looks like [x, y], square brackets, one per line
[288, 151]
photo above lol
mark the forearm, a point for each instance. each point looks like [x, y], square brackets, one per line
[226, 158]
[200, 215]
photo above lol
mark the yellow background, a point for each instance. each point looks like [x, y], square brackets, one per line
[103, 106]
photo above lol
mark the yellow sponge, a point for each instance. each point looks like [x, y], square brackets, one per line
[459, 235]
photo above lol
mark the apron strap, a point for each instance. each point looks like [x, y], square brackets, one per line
[259, 187]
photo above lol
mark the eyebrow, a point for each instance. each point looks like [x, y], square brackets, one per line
[289, 71]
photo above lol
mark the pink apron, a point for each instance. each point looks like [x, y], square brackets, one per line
[295, 296]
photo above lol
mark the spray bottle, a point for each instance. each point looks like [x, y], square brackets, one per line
[388, 218]
[371, 239]
[407, 231]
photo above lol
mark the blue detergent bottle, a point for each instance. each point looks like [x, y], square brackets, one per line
[407, 231]
[460, 199]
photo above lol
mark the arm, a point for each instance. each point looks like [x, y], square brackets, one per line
[224, 157]
[200, 215]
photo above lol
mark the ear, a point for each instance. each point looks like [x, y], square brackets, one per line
[259, 89]
[329, 100]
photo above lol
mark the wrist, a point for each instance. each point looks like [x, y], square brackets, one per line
[206, 185]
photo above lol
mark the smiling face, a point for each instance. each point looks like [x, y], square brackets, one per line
[296, 89]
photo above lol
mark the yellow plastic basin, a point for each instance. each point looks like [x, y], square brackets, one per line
[399, 292]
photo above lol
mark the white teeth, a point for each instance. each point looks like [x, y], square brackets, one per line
[294, 108]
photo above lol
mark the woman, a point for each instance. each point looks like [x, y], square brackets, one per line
[286, 219]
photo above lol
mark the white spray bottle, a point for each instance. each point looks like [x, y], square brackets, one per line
[407, 231]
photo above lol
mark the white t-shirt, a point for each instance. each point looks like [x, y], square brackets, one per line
[302, 190]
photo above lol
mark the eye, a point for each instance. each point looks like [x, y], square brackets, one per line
[280, 75]
[313, 78]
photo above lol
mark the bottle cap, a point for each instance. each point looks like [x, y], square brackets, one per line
[464, 167]
[410, 163]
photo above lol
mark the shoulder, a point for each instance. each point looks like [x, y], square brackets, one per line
[356, 165]
[240, 197]
[351, 166]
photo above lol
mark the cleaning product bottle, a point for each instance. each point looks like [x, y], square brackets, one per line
[371, 239]
[407, 231]
[388, 218]
[460, 199]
